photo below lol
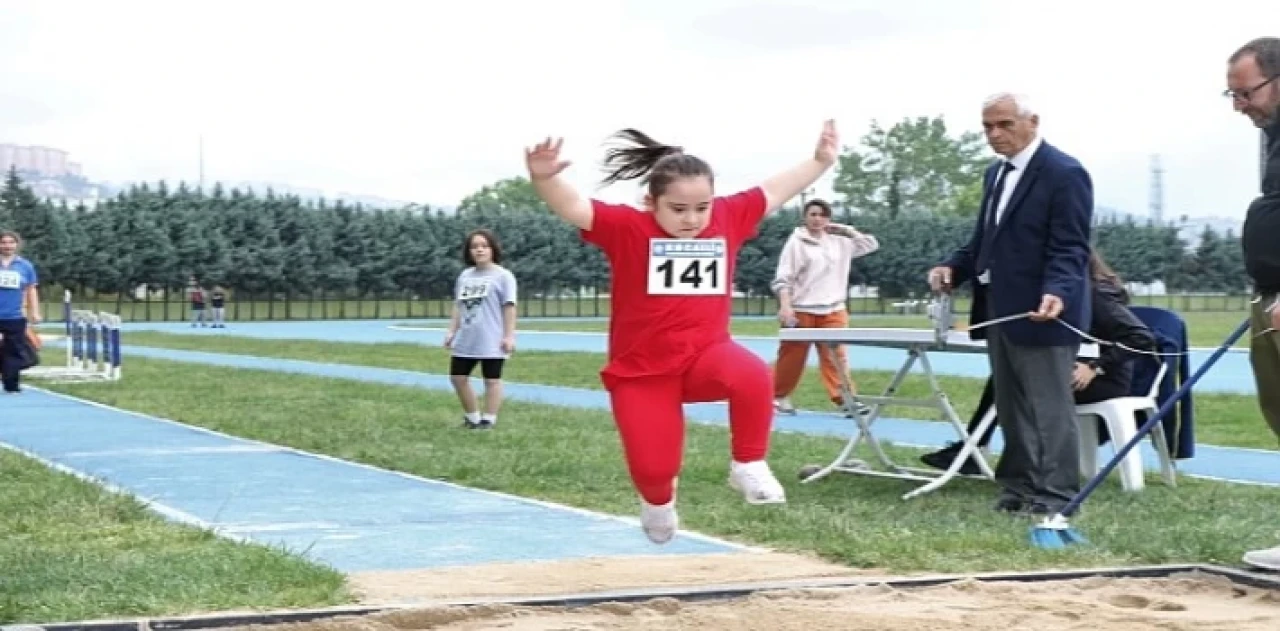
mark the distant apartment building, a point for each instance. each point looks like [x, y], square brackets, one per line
[46, 161]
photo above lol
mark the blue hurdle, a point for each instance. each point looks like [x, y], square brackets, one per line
[92, 346]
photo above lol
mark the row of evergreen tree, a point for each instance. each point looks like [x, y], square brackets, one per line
[276, 246]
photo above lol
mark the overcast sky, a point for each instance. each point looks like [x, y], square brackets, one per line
[430, 100]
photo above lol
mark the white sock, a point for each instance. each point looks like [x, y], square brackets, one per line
[473, 417]
[492, 418]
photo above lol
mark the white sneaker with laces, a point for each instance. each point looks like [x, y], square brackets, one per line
[1268, 559]
[659, 522]
[756, 483]
[783, 405]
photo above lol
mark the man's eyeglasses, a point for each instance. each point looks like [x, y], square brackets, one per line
[1245, 95]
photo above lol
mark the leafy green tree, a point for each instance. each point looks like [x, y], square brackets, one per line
[1217, 264]
[269, 246]
[913, 169]
[514, 194]
[13, 195]
[33, 219]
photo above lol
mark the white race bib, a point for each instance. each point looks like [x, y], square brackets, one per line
[10, 279]
[687, 267]
[474, 290]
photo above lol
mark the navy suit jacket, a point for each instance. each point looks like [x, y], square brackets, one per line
[1040, 246]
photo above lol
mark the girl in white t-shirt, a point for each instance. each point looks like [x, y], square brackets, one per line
[483, 327]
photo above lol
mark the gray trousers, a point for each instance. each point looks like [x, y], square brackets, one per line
[1036, 412]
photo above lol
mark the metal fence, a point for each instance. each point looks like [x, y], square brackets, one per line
[242, 306]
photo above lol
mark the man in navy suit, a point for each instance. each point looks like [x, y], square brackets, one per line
[1029, 253]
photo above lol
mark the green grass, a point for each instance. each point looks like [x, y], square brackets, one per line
[1221, 419]
[572, 456]
[1208, 329]
[70, 550]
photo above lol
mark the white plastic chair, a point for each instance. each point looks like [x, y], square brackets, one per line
[1121, 416]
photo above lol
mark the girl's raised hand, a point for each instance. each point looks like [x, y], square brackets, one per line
[544, 160]
[828, 144]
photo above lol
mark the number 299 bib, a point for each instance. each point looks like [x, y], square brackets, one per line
[687, 267]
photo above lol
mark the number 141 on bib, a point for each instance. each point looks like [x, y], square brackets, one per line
[687, 267]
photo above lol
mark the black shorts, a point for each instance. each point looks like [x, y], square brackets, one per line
[489, 368]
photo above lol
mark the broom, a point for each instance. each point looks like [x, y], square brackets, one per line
[1056, 531]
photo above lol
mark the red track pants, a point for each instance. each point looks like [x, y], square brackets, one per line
[650, 416]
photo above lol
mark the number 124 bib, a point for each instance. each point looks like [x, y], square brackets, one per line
[687, 267]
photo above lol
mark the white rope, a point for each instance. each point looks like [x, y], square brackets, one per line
[1275, 304]
[1019, 316]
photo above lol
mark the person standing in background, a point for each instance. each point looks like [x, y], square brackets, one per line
[218, 300]
[812, 285]
[1253, 85]
[19, 307]
[1029, 254]
[483, 327]
[195, 293]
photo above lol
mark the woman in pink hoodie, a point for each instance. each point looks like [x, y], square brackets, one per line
[812, 285]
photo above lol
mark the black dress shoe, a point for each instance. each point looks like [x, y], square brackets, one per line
[1009, 504]
[943, 458]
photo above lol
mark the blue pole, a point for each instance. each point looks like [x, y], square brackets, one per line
[1164, 411]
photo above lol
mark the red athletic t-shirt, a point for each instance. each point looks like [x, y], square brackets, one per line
[660, 333]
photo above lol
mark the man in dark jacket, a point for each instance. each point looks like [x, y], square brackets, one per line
[1107, 376]
[1253, 85]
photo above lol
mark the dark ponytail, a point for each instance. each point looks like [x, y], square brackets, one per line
[647, 159]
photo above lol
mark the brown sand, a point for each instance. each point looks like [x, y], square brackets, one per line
[514, 580]
[1191, 601]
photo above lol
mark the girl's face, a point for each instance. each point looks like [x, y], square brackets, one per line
[683, 210]
[481, 253]
[815, 219]
[8, 245]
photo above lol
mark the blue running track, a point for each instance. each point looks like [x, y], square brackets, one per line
[349, 516]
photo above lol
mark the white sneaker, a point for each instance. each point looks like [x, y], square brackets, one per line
[756, 483]
[659, 522]
[782, 405]
[1268, 559]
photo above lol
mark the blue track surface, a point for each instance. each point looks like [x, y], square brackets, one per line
[1231, 374]
[351, 517]
[354, 517]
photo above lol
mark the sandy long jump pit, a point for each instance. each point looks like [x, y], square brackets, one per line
[765, 591]
[1199, 598]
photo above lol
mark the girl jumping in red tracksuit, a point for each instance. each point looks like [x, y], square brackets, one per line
[672, 277]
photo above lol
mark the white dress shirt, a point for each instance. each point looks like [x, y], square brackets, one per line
[1020, 161]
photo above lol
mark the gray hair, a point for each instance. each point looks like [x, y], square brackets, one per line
[1020, 102]
[1266, 50]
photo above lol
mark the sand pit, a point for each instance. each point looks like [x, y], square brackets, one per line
[512, 580]
[1191, 601]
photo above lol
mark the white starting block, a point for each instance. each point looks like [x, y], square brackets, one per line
[92, 348]
[917, 343]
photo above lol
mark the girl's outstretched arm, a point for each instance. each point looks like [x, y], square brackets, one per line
[782, 187]
[545, 166]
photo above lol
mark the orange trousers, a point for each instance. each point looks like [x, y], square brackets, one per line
[792, 357]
